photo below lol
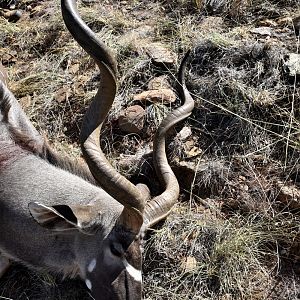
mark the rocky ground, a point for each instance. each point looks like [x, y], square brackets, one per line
[235, 232]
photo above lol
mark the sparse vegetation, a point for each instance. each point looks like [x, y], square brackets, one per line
[235, 233]
[241, 257]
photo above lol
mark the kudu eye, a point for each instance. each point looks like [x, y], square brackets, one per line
[116, 250]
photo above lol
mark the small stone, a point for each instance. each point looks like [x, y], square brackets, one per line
[11, 16]
[156, 96]
[184, 133]
[262, 30]
[242, 178]
[132, 119]
[189, 264]
[244, 187]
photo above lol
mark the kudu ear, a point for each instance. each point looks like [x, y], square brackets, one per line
[131, 219]
[63, 217]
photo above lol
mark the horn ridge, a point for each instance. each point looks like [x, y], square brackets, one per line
[111, 181]
[85, 37]
[160, 206]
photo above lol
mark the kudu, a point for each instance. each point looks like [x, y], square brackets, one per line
[53, 213]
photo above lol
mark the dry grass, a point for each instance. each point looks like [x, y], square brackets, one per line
[197, 256]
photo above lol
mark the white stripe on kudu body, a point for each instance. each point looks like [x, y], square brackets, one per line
[88, 284]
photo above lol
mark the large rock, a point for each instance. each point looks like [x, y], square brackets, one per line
[160, 54]
[132, 119]
[164, 96]
[289, 195]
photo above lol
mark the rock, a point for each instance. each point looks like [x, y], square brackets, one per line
[262, 30]
[188, 264]
[156, 96]
[12, 16]
[185, 171]
[160, 54]
[186, 144]
[160, 82]
[289, 195]
[184, 133]
[132, 119]
[293, 64]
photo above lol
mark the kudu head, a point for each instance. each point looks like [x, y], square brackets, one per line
[108, 239]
